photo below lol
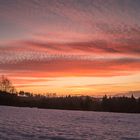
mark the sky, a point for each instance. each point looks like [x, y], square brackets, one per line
[76, 47]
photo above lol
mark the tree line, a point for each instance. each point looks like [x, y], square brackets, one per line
[9, 96]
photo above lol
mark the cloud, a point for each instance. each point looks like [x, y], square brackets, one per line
[91, 58]
[56, 30]
[119, 46]
[65, 66]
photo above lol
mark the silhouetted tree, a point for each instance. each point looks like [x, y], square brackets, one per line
[6, 85]
[105, 102]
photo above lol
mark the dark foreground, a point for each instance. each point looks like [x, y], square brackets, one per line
[43, 124]
[111, 104]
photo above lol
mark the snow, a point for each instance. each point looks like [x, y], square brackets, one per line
[43, 124]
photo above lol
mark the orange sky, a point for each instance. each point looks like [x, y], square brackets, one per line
[75, 47]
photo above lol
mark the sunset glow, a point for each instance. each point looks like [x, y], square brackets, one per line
[76, 47]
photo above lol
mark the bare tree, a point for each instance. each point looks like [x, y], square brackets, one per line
[6, 85]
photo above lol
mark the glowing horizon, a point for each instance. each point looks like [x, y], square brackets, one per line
[84, 47]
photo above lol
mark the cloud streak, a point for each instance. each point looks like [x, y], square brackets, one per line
[74, 66]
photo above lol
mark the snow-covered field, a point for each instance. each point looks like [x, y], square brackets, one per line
[42, 124]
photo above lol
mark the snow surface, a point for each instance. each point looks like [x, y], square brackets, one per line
[43, 124]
